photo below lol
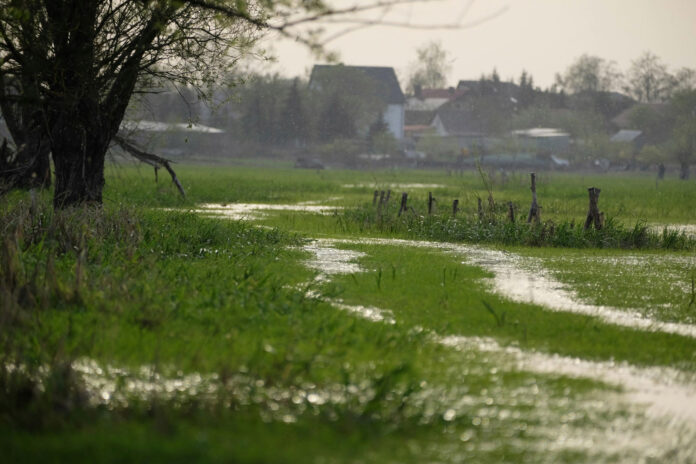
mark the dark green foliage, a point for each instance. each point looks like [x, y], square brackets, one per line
[336, 121]
[294, 123]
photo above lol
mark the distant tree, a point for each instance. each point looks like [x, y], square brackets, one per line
[431, 67]
[655, 123]
[254, 120]
[336, 120]
[293, 123]
[683, 140]
[648, 80]
[684, 79]
[526, 93]
[589, 74]
[358, 100]
[495, 78]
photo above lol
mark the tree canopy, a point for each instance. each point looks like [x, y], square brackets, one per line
[589, 74]
[73, 65]
[431, 67]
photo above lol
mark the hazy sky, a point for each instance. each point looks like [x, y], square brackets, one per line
[541, 36]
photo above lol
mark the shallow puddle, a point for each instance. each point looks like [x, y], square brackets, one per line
[400, 186]
[687, 229]
[241, 211]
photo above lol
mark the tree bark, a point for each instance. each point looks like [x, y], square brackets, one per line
[28, 165]
[78, 146]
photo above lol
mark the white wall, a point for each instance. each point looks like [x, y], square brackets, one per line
[394, 117]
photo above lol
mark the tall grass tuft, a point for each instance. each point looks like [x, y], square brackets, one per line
[493, 227]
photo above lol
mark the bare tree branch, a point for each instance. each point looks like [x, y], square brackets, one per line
[151, 159]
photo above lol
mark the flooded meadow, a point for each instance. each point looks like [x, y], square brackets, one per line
[272, 311]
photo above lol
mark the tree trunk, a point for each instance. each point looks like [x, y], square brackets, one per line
[79, 147]
[27, 166]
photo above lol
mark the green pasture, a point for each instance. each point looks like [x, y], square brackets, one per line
[627, 197]
[156, 293]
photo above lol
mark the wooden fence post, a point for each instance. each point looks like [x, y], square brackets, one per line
[381, 197]
[386, 200]
[374, 198]
[430, 203]
[593, 214]
[404, 199]
[455, 207]
[480, 210]
[534, 209]
[511, 212]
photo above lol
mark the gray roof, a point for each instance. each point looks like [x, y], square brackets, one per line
[626, 135]
[421, 118]
[460, 122]
[388, 87]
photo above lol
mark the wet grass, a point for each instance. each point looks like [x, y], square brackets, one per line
[167, 294]
[656, 283]
[630, 198]
[440, 292]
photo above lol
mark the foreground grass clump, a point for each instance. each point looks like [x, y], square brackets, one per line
[494, 227]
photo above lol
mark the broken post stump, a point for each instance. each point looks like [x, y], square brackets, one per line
[404, 200]
[480, 209]
[593, 214]
[661, 171]
[386, 200]
[534, 208]
[430, 203]
[511, 212]
[381, 197]
[374, 198]
[455, 207]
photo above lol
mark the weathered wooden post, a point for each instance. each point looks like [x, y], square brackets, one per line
[374, 198]
[430, 203]
[593, 214]
[455, 207]
[480, 209]
[381, 197]
[661, 171]
[534, 209]
[511, 212]
[386, 200]
[404, 199]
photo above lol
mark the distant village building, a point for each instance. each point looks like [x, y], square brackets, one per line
[634, 139]
[386, 88]
[543, 140]
[422, 106]
[461, 125]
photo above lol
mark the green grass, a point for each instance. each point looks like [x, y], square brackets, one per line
[137, 285]
[437, 291]
[656, 283]
[562, 196]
